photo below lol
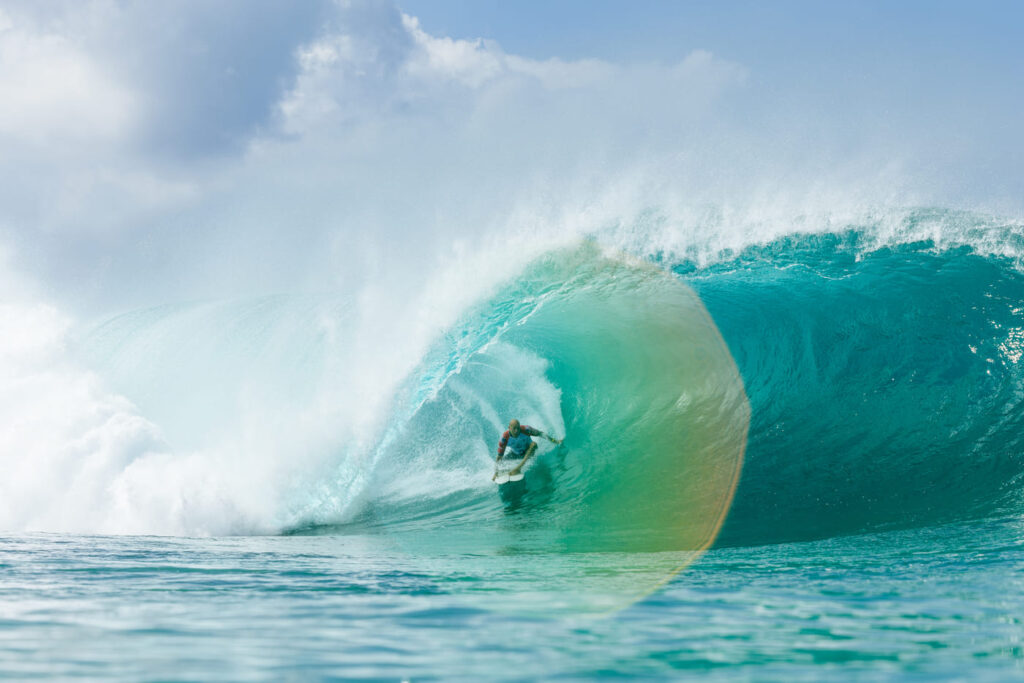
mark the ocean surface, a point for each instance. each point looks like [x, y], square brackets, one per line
[799, 457]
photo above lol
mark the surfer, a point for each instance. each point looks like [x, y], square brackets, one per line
[517, 440]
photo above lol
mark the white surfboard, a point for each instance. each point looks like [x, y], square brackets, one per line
[505, 477]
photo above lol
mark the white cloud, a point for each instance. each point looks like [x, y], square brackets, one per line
[474, 63]
[343, 78]
[337, 72]
[556, 73]
[55, 93]
[130, 194]
[470, 62]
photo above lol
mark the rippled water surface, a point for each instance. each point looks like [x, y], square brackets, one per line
[943, 601]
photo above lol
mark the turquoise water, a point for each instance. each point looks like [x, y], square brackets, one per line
[798, 459]
[929, 603]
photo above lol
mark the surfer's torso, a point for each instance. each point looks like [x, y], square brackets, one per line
[518, 443]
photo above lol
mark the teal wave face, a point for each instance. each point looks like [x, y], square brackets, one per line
[619, 358]
[886, 386]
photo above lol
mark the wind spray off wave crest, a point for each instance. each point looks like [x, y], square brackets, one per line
[251, 411]
[221, 417]
[298, 412]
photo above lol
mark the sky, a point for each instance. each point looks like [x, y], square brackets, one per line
[181, 150]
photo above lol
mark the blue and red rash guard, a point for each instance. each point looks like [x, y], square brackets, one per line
[517, 444]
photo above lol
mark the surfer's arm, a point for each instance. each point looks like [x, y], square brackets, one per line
[501, 446]
[536, 432]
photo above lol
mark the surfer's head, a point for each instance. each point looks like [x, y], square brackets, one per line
[513, 427]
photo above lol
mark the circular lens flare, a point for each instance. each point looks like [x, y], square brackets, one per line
[655, 422]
